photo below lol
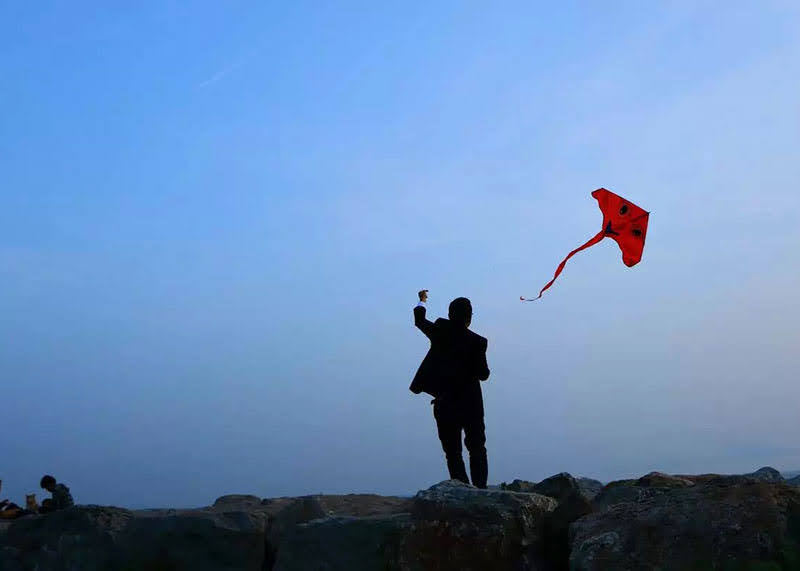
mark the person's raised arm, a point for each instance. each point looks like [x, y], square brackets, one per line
[422, 322]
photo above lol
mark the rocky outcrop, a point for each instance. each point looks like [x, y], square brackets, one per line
[573, 503]
[766, 474]
[460, 527]
[449, 526]
[658, 521]
[668, 522]
[99, 538]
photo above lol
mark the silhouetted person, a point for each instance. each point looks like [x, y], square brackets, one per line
[61, 497]
[451, 372]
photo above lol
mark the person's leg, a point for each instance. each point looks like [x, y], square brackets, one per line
[475, 441]
[450, 436]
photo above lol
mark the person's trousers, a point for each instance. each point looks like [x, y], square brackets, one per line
[453, 417]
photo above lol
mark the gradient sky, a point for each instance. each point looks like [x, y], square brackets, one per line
[216, 216]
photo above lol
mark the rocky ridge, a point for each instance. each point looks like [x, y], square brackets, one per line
[658, 521]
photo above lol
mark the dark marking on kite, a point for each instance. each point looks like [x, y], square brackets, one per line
[624, 210]
[609, 231]
[636, 232]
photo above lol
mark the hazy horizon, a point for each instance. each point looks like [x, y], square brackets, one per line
[216, 219]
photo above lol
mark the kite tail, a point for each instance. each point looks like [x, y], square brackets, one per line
[600, 235]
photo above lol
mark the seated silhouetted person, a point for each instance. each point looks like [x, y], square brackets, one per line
[451, 372]
[61, 497]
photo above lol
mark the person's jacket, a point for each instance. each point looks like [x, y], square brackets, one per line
[455, 363]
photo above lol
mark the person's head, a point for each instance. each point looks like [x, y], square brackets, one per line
[460, 311]
[48, 483]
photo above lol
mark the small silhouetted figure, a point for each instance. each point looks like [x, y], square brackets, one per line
[451, 372]
[61, 497]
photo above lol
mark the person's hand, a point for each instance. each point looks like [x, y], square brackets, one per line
[423, 295]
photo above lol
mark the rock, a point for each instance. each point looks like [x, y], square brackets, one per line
[456, 526]
[449, 526]
[98, 538]
[288, 518]
[236, 501]
[712, 525]
[766, 474]
[661, 480]
[519, 486]
[451, 498]
[11, 559]
[572, 504]
[643, 489]
[203, 539]
[284, 515]
[76, 538]
[621, 491]
[590, 487]
[557, 486]
[345, 543]
[364, 505]
[658, 521]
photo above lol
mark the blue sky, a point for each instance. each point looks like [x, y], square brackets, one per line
[216, 217]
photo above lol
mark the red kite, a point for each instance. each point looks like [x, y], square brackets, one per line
[623, 221]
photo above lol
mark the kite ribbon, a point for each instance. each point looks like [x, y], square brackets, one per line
[600, 235]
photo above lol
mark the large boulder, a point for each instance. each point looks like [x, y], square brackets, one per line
[337, 529]
[459, 527]
[588, 487]
[719, 524]
[100, 538]
[203, 539]
[451, 526]
[620, 491]
[766, 474]
[82, 537]
[345, 543]
[573, 503]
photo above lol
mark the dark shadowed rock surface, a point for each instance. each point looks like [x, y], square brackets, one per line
[100, 538]
[460, 527]
[523, 486]
[658, 521]
[573, 503]
[589, 487]
[684, 522]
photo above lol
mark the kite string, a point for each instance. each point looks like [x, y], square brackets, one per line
[599, 236]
